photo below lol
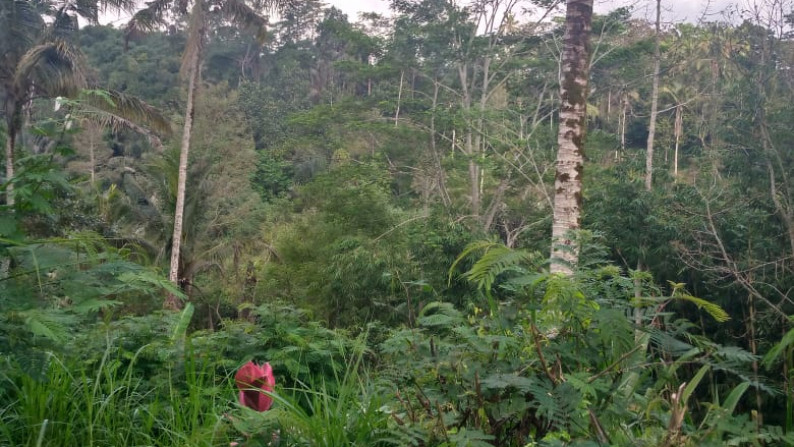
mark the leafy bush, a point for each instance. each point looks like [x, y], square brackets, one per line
[593, 359]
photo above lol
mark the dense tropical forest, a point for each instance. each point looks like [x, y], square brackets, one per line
[469, 223]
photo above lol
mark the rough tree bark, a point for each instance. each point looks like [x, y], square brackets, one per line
[570, 155]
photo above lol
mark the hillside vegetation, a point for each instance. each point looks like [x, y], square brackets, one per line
[367, 205]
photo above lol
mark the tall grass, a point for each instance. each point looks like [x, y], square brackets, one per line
[108, 405]
[345, 410]
[165, 393]
[349, 414]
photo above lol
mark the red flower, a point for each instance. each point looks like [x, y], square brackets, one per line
[252, 379]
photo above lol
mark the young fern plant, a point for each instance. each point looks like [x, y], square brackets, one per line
[495, 260]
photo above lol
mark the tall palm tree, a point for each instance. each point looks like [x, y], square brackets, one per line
[153, 16]
[570, 155]
[37, 58]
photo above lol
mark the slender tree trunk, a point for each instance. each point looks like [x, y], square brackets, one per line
[471, 145]
[654, 99]
[624, 108]
[787, 385]
[573, 122]
[754, 349]
[479, 144]
[5, 263]
[399, 98]
[10, 140]
[91, 156]
[172, 302]
[679, 127]
[474, 175]
[490, 214]
[715, 105]
[440, 175]
[12, 119]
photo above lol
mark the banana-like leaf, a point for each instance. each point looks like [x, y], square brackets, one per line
[180, 328]
[690, 387]
[774, 353]
[733, 399]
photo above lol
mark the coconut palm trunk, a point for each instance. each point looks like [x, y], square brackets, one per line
[172, 302]
[151, 18]
[570, 139]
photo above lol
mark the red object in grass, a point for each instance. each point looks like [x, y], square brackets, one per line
[252, 379]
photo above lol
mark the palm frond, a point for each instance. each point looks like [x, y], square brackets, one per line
[56, 67]
[89, 10]
[127, 108]
[149, 18]
[495, 260]
[86, 9]
[238, 12]
[275, 5]
[117, 123]
[65, 24]
[127, 6]
[20, 26]
[20, 20]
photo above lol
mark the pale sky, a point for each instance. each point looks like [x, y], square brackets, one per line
[673, 10]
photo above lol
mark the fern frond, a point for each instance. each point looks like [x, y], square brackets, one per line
[496, 259]
[714, 310]
[47, 324]
[494, 262]
[471, 248]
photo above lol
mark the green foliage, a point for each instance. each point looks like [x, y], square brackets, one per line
[56, 284]
[68, 402]
[352, 256]
[343, 410]
[560, 360]
[368, 222]
[148, 69]
[784, 344]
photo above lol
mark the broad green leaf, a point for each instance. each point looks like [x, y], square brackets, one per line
[690, 387]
